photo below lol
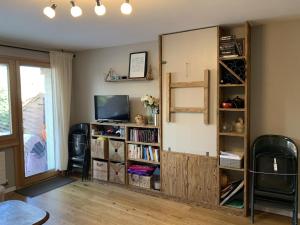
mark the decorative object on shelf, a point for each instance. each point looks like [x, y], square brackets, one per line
[226, 127]
[112, 76]
[76, 11]
[152, 105]
[239, 125]
[237, 103]
[139, 119]
[227, 104]
[149, 75]
[138, 65]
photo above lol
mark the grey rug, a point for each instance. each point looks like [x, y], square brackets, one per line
[45, 186]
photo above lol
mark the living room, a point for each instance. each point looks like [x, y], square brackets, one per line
[137, 112]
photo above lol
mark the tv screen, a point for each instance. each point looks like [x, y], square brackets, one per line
[112, 107]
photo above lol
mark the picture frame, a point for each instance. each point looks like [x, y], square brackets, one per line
[138, 62]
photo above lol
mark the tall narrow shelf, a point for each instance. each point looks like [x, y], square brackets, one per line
[228, 139]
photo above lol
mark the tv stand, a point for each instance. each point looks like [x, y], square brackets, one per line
[132, 136]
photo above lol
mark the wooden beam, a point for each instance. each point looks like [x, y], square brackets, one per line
[231, 71]
[206, 97]
[187, 110]
[187, 84]
[168, 97]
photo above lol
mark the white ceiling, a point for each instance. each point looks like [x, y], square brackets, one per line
[22, 21]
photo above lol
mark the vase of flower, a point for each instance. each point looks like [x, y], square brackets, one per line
[151, 104]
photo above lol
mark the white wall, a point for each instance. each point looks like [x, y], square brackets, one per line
[90, 68]
[187, 55]
[275, 87]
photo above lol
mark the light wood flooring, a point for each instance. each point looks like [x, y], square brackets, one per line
[104, 204]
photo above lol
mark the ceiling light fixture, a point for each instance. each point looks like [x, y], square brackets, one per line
[100, 9]
[126, 8]
[49, 11]
[75, 10]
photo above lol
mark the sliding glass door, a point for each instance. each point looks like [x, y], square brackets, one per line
[37, 119]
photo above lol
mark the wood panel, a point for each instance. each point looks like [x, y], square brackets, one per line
[203, 180]
[192, 178]
[174, 174]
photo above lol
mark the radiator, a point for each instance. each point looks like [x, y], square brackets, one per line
[3, 179]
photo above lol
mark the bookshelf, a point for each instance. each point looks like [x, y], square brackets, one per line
[231, 140]
[143, 137]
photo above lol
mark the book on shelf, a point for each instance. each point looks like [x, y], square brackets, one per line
[230, 46]
[233, 192]
[143, 152]
[144, 135]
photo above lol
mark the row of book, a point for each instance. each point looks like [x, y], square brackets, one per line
[230, 46]
[144, 135]
[232, 194]
[143, 152]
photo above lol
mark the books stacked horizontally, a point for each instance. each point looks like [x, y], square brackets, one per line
[148, 153]
[141, 135]
[232, 194]
[230, 46]
[141, 170]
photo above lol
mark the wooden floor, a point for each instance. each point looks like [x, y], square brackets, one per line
[90, 203]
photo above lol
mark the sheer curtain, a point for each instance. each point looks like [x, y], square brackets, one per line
[61, 68]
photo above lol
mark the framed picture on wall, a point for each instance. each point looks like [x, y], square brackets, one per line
[138, 65]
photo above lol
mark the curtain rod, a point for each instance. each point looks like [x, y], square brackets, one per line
[29, 49]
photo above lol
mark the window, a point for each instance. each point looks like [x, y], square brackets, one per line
[37, 111]
[5, 104]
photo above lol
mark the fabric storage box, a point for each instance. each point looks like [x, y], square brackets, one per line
[146, 182]
[99, 148]
[134, 179]
[117, 173]
[226, 161]
[100, 170]
[116, 151]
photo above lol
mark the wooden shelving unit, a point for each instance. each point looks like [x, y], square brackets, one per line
[242, 86]
[125, 137]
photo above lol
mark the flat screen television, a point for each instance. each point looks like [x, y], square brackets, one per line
[112, 108]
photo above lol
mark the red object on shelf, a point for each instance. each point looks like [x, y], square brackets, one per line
[227, 105]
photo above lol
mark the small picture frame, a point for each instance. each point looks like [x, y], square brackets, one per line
[138, 65]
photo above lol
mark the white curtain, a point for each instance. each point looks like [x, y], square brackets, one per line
[61, 68]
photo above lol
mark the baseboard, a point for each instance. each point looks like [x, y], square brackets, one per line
[10, 189]
[270, 208]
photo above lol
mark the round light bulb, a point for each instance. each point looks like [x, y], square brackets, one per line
[49, 12]
[126, 8]
[100, 10]
[76, 11]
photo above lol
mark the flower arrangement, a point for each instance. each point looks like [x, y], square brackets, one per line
[151, 103]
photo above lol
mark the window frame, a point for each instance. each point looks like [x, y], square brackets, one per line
[11, 140]
[25, 181]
